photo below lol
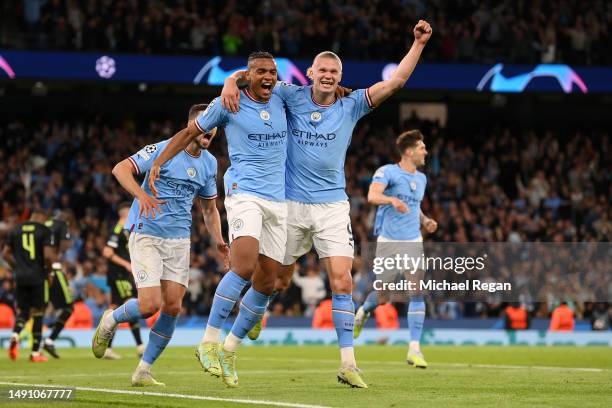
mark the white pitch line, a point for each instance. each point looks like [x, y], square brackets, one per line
[522, 367]
[170, 395]
[434, 364]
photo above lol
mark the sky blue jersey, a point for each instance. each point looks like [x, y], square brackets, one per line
[319, 136]
[257, 145]
[408, 187]
[181, 179]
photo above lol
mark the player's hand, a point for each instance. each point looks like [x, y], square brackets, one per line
[230, 95]
[341, 92]
[430, 225]
[422, 32]
[128, 267]
[224, 250]
[149, 205]
[153, 177]
[399, 205]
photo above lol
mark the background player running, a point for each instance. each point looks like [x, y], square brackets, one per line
[119, 275]
[29, 251]
[159, 242]
[255, 205]
[398, 190]
[60, 292]
[320, 131]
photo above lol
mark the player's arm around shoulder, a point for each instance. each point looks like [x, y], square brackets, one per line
[384, 89]
[230, 94]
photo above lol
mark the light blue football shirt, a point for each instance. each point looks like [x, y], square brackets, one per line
[408, 187]
[181, 179]
[319, 137]
[257, 145]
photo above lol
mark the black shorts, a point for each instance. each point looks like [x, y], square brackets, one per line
[122, 290]
[32, 296]
[61, 296]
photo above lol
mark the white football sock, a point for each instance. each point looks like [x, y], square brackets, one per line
[211, 335]
[231, 342]
[347, 357]
[143, 366]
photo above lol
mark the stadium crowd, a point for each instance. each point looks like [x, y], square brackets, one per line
[546, 31]
[496, 186]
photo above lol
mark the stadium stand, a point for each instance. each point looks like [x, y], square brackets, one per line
[468, 31]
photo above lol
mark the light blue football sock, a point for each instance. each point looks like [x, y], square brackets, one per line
[159, 337]
[371, 302]
[416, 317]
[252, 308]
[343, 315]
[127, 312]
[226, 295]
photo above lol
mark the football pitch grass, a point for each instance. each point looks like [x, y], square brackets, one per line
[302, 376]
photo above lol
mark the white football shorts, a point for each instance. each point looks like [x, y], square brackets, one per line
[264, 220]
[155, 259]
[327, 226]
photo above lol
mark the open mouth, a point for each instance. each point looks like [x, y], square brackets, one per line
[267, 86]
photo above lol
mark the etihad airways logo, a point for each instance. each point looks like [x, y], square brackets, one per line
[265, 140]
[314, 139]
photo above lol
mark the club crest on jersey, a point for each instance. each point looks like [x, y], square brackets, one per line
[237, 224]
[315, 116]
[264, 115]
[142, 276]
[413, 185]
[191, 172]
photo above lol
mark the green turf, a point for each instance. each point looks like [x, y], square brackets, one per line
[457, 376]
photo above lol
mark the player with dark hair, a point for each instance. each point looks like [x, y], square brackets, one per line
[119, 275]
[60, 293]
[320, 131]
[398, 189]
[255, 205]
[159, 242]
[29, 251]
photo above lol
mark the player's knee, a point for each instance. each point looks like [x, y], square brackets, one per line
[149, 307]
[282, 283]
[244, 271]
[342, 284]
[171, 309]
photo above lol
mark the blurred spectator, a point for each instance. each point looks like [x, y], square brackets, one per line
[600, 319]
[7, 316]
[81, 318]
[313, 288]
[386, 317]
[516, 317]
[322, 318]
[562, 319]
